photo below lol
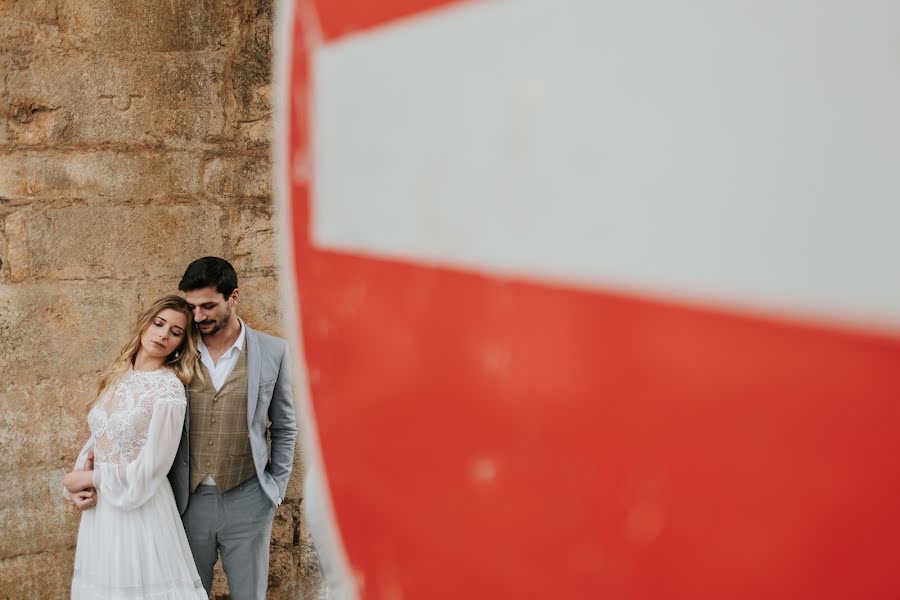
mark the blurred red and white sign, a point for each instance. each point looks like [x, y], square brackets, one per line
[597, 299]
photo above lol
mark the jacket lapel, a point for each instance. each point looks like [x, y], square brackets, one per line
[253, 363]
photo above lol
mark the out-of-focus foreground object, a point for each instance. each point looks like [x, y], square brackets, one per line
[598, 299]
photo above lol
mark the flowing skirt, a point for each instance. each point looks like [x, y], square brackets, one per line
[140, 554]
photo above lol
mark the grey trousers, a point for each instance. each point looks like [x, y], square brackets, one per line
[237, 524]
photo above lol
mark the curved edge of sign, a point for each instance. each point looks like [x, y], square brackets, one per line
[316, 496]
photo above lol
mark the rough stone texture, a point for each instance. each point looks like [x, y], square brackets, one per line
[253, 239]
[27, 24]
[69, 98]
[4, 251]
[33, 510]
[37, 576]
[238, 176]
[64, 330]
[259, 303]
[250, 70]
[55, 415]
[67, 243]
[142, 26]
[99, 174]
[134, 137]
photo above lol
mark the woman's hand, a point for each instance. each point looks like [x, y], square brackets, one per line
[78, 481]
[84, 500]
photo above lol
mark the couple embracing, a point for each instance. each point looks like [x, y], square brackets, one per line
[165, 484]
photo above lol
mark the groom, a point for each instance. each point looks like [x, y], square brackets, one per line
[227, 482]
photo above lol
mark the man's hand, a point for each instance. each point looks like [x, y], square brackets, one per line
[84, 500]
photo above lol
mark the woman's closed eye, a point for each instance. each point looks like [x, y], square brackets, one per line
[175, 331]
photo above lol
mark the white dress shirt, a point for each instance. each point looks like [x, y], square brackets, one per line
[219, 371]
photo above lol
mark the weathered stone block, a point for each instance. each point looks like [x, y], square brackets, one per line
[255, 133]
[220, 584]
[121, 241]
[252, 239]
[44, 576]
[251, 73]
[99, 174]
[45, 423]
[259, 305]
[150, 124]
[6, 65]
[24, 24]
[73, 329]
[238, 176]
[16, 258]
[4, 253]
[296, 568]
[34, 516]
[77, 98]
[283, 526]
[282, 570]
[141, 26]
[75, 400]
[31, 121]
[295, 483]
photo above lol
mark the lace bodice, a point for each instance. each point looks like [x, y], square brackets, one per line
[120, 421]
[136, 427]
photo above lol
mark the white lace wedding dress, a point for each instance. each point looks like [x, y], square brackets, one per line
[132, 545]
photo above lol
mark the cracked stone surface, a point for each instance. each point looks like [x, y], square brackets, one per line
[134, 137]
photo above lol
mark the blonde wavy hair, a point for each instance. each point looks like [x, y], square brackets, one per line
[184, 361]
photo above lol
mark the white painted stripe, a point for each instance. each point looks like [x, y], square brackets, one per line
[745, 152]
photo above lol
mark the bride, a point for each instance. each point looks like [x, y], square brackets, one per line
[132, 544]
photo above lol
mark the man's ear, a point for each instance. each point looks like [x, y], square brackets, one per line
[234, 296]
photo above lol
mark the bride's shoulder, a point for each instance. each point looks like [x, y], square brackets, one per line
[170, 387]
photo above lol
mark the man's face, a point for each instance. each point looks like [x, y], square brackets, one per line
[211, 309]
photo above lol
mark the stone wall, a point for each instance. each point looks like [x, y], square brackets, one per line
[134, 137]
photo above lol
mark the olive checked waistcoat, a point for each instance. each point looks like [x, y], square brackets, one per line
[219, 437]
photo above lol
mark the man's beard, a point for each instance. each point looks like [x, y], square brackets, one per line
[216, 325]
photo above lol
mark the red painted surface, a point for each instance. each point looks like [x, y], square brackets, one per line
[341, 17]
[639, 449]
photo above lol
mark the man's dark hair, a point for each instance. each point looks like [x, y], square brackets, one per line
[209, 271]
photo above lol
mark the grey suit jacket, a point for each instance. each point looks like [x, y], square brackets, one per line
[268, 396]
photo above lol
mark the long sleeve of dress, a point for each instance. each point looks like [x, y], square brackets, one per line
[82, 456]
[81, 460]
[128, 486]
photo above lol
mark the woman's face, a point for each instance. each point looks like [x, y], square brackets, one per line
[164, 334]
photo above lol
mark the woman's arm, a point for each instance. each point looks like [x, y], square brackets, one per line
[128, 486]
[84, 461]
[78, 481]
